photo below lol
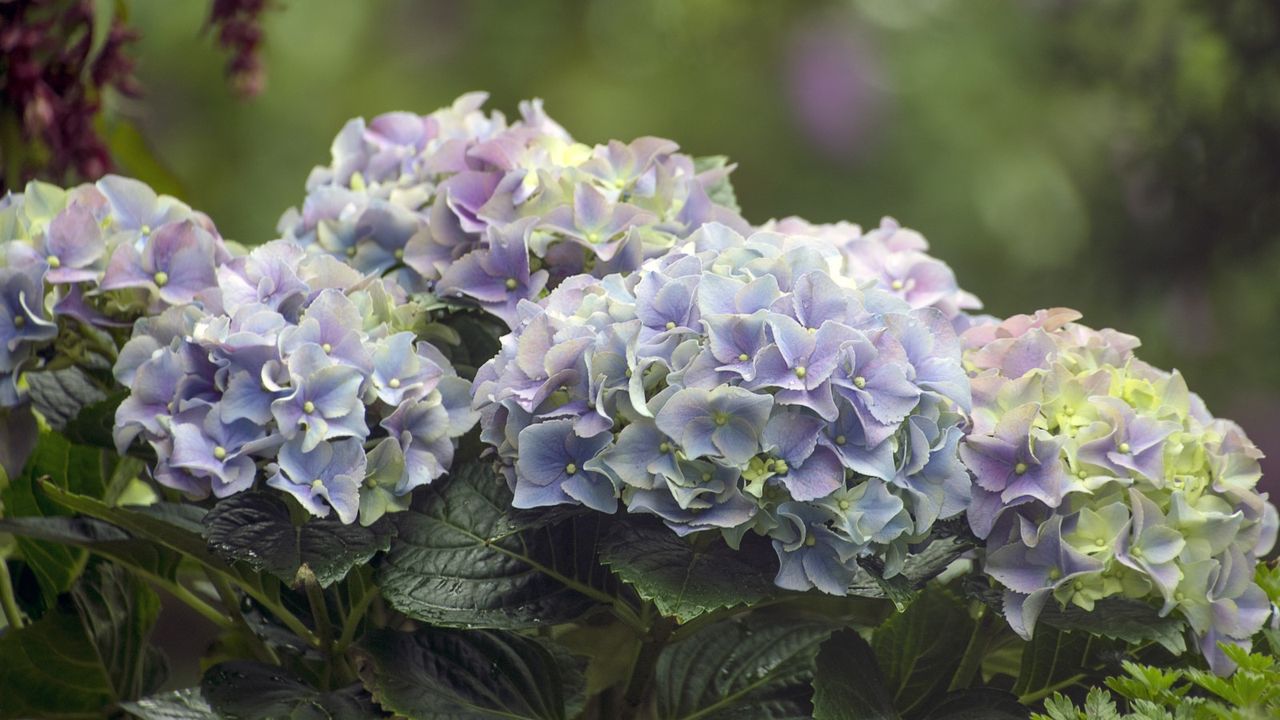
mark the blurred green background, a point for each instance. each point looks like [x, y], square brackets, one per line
[1118, 157]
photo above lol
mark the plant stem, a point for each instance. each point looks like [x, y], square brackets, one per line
[11, 612]
[232, 605]
[1038, 695]
[320, 616]
[646, 661]
[971, 662]
[352, 622]
[194, 602]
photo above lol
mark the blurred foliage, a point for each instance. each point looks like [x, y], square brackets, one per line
[1122, 158]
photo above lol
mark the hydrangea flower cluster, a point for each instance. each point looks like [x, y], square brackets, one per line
[1100, 476]
[895, 259]
[476, 208]
[738, 384]
[100, 254]
[300, 367]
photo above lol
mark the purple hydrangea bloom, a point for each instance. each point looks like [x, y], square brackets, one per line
[487, 212]
[79, 266]
[736, 385]
[299, 371]
[895, 259]
[1098, 476]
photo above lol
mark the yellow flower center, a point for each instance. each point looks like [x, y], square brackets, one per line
[394, 383]
[308, 407]
[743, 357]
[840, 439]
[844, 504]
[801, 372]
[896, 285]
[220, 452]
[1020, 469]
[53, 262]
[327, 348]
[399, 253]
[317, 484]
[1123, 447]
[511, 284]
[859, 382]
[161, 278]
[810, 541]
[570, 468]
[671, 325]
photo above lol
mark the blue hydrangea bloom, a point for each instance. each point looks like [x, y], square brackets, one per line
[79, 266]
[737, 384]
[489, 212]
[1098, 476]
[298, 370]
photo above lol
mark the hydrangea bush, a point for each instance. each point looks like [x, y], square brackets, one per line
[720, 471]
[290, 370]
[736, 384]
[1098, 475]
[494, 212]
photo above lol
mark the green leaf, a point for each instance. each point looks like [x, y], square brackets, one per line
[848, 684]
[720, 190]
[441, 674]
[188, 704]
[686, 577]
[83, 656]
[919, 568]
[756, 666]
[256, 528]
[978, 704]
[175, 527]
[468, 560]
[1130, 621]
[93, 424]
[243, 690]
[920, 649]
[1054, 657]
[60, 395]
[99, 537]
[78, 468]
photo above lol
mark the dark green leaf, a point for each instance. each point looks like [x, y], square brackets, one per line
[721, 190]
[170, 526]
[756, 666]
[848, 684]
[188, 704]
[1052, 658]
[920, 567]
[256, 528]
[83, 656]
[441, 674]
[920, 649]
[467, 560]
[979, 704]
[60, 395]
[1131, 621]
[82, 470]
[99, 537]
[242, 690]
[685, 577]
[93, 424]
